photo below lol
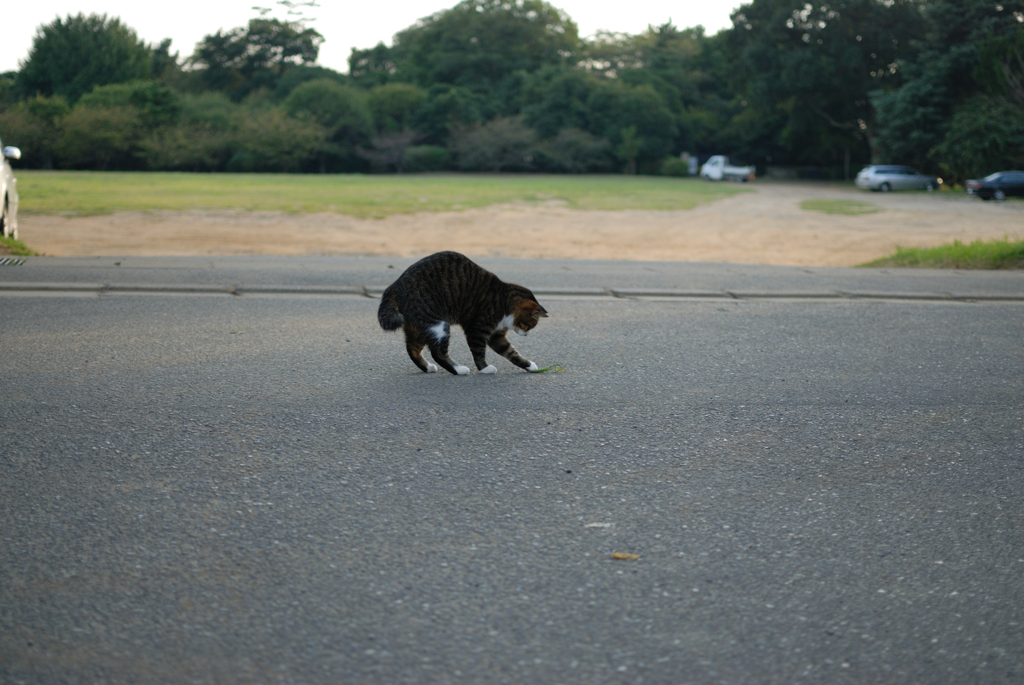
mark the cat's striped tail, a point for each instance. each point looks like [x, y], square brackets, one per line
[387, 313]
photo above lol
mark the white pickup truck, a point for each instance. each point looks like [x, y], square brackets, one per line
[717, 169]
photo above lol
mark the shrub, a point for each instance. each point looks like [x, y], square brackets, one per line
[270, 140]
[99, 138]
[157, 104]
[420, 158]
[505, 144]
[575, 151]
[187, 147]
[674, 166]
[34, 126]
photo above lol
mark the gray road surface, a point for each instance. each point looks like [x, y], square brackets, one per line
[222, 471]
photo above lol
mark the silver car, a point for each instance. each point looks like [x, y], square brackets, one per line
[886, 178]
[9, 193]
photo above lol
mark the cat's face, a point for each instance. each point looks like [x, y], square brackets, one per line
[526, 316]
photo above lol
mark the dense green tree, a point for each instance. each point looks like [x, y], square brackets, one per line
[932, 119]
[606, 108]
[690, 71]
[333, 106]
[664, 57]
[508, 85]
[637, 113]
[986, 134]
[803, 74]
[295, 75]
[70, 56]
[447, 109]
[8, 89]
[204, 139]
[372, 66]
[478, 44]
[344, 113]
[563, 100]
[242, 60]
[394, 106]
[164, 65]
[156, 104]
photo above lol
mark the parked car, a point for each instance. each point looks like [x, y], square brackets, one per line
[885, 178]
[8, 193]
[999, 185]
[717, 168]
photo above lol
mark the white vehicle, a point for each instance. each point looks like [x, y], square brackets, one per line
[718, 169]
[8, 194]
[885, 178]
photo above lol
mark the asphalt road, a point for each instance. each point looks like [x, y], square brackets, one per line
[223, 471]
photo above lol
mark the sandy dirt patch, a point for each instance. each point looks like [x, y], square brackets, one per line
[762, 227]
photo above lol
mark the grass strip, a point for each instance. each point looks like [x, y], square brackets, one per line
[994, 254]
[87, 193]
[10, 246]
[845, 207]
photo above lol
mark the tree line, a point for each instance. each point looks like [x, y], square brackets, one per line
[509, 85]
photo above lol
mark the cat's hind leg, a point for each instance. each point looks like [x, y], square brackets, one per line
[500, 344]
[439, 337]
[414, 345]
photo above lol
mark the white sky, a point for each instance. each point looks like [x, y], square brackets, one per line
[343, 25]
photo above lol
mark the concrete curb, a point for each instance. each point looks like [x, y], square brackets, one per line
[583, 293]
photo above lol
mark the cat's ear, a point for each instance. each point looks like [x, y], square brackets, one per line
[533, 309]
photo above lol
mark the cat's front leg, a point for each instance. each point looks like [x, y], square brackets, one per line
[477, 342]
[500, 344]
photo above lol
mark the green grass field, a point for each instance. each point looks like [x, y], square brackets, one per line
[84, 193]
[846, 207]
[10, 246]
[995, 254]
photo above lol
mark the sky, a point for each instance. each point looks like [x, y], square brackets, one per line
[344, 25]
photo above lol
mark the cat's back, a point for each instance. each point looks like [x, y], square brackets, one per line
[440, 265]
[444, 286]
[443, 271]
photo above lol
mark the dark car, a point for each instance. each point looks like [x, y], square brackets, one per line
[999, 185]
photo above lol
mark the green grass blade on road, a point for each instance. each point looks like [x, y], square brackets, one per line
[995, 254]
[845, 207]
[83, 193]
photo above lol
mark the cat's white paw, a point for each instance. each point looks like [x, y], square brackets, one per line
[462, 370]
[532, 367]
[431, 368]
[490, 368]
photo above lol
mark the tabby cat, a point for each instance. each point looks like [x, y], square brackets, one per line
[448, 288]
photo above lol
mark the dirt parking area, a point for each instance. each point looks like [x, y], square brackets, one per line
[766, 226]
